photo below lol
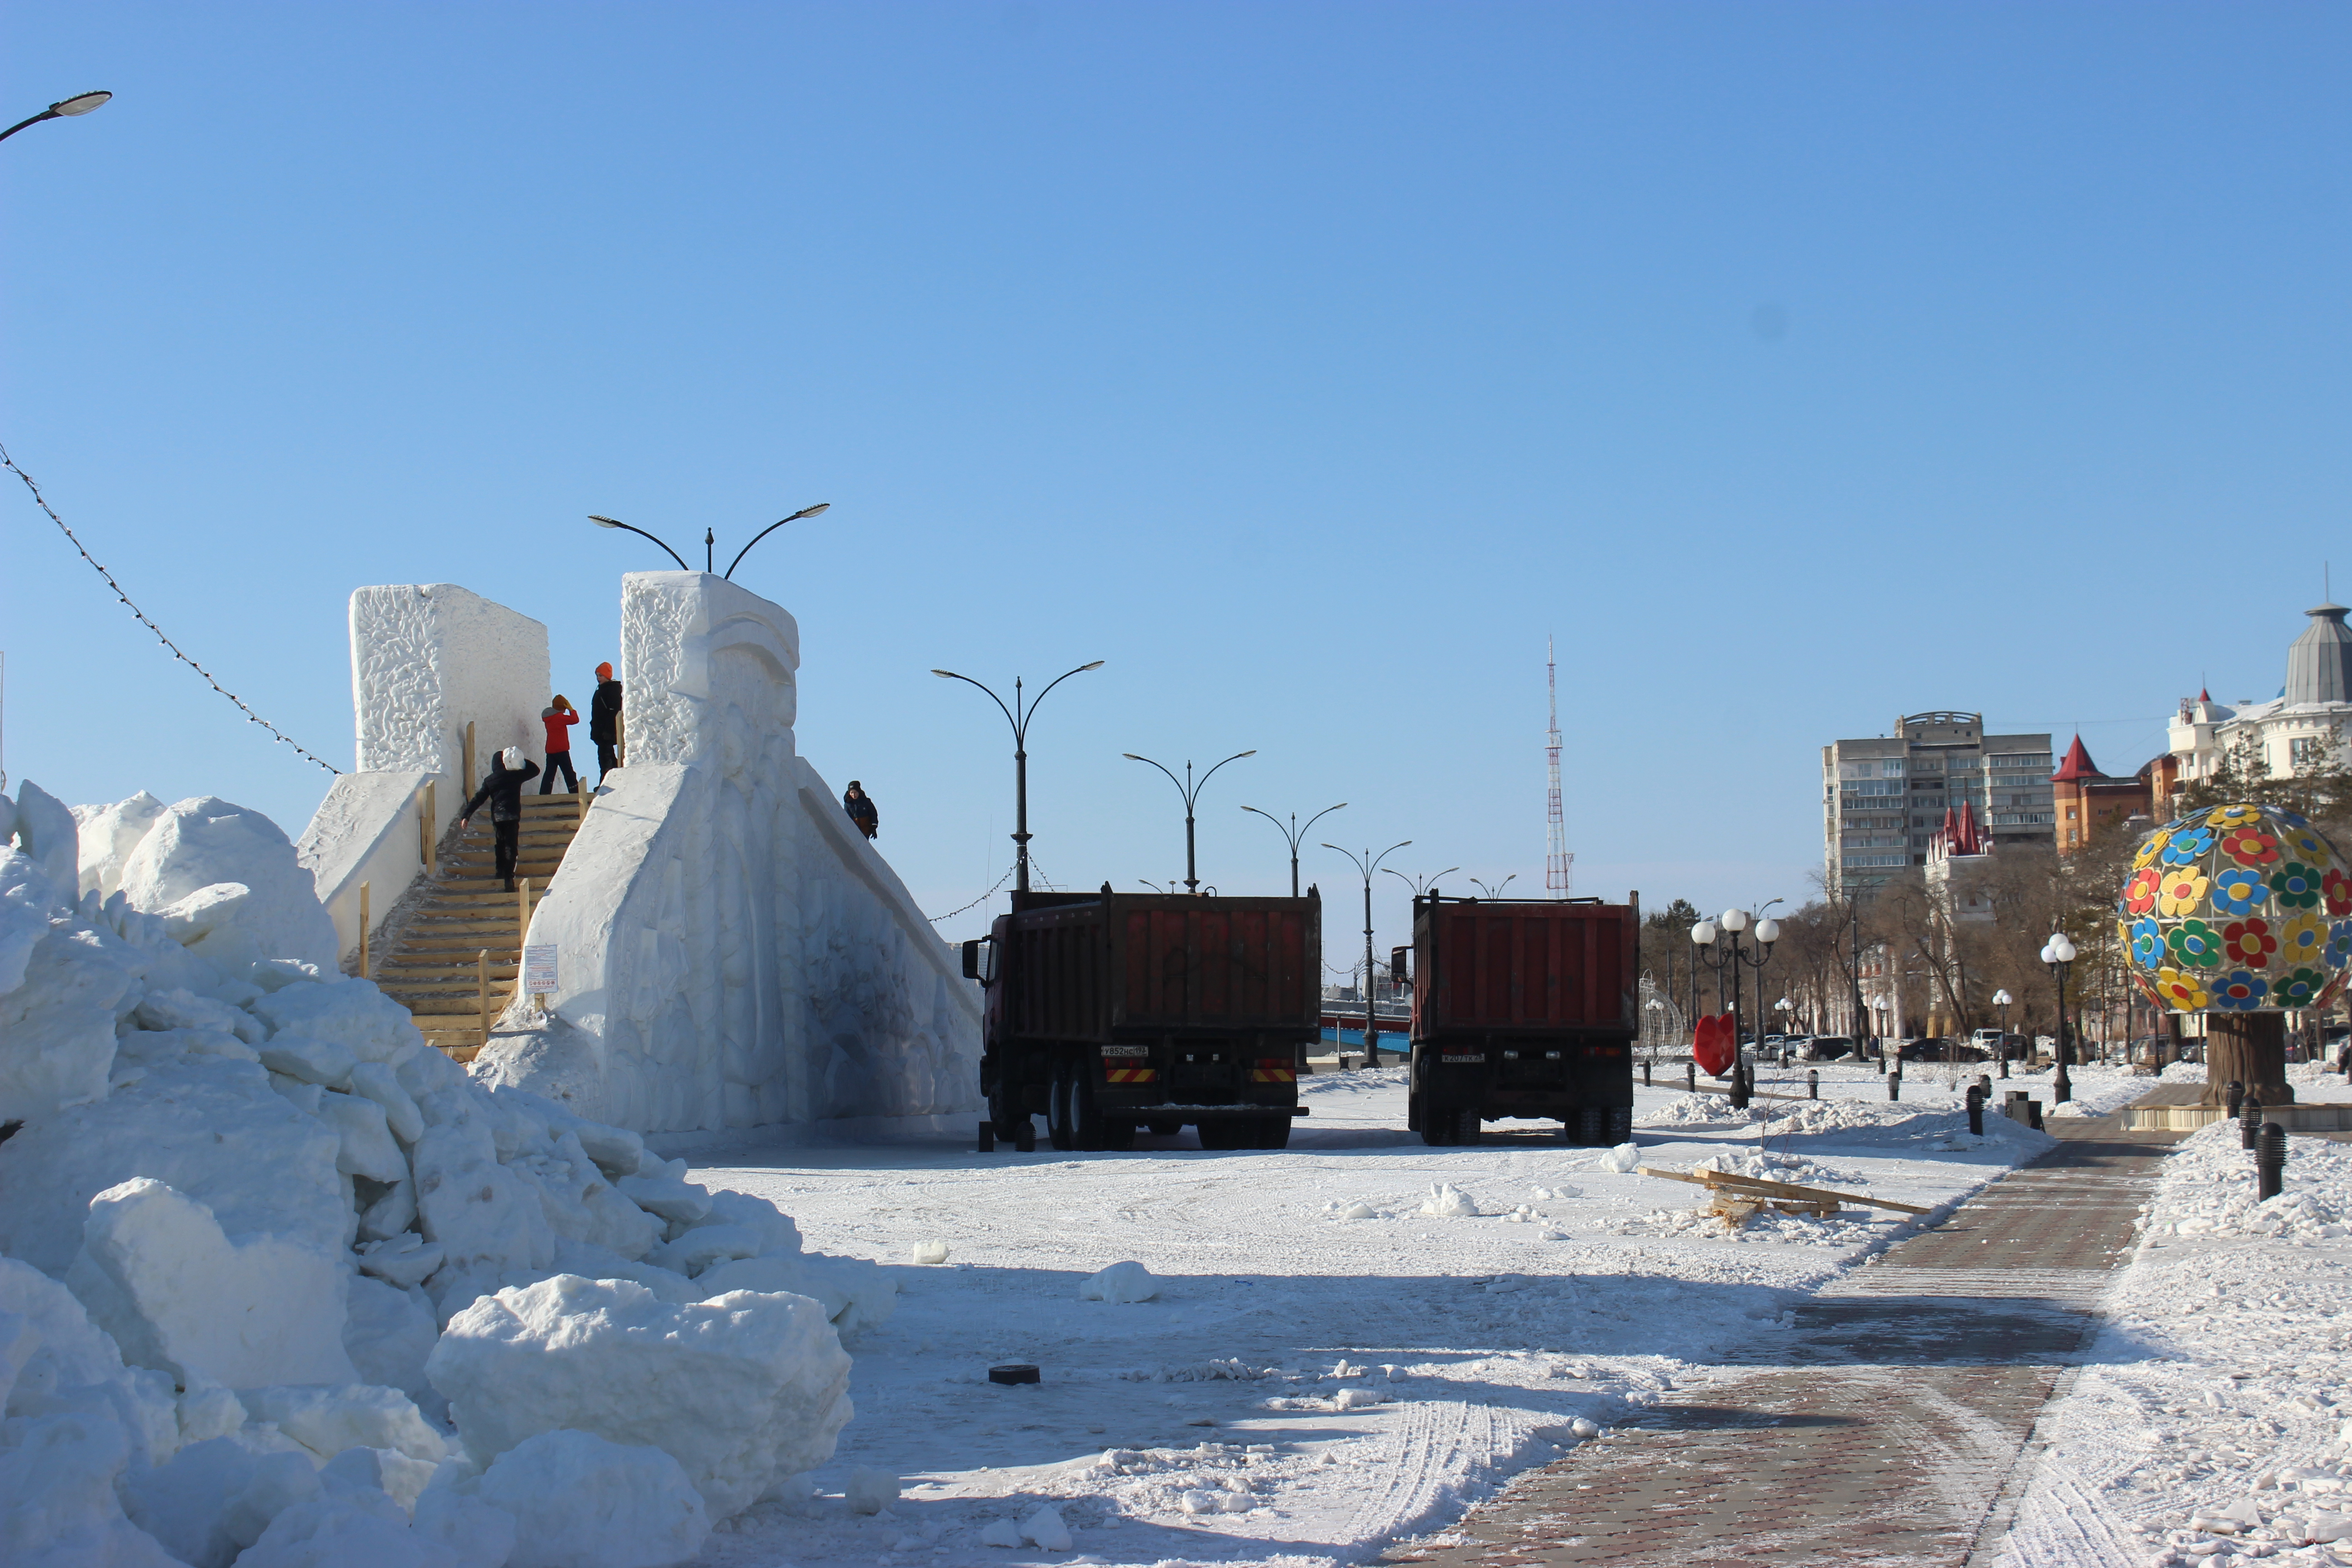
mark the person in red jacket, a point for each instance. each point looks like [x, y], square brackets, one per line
[558, 717]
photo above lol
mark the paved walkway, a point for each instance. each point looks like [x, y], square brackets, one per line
[1895, 1430]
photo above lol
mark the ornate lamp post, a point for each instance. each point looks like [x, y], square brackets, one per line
[1784, 1007]
[2058, 953]
[1369, 863]
[1730, 957]
[1018, 717]
[2001, 1000]
[1496, 890]
[1293, 833]
[1420, 885]
[1191, 793]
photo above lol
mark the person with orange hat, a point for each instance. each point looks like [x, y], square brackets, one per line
[605, 722]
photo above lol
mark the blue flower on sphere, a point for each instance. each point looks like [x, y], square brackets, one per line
[2339, 944]
[2187, 846]
[2148, 943]
[2239, 991]
[2293, 819]
[2238, 890]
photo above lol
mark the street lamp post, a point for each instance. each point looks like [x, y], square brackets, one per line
[72, 108]
[1369, 863]
[1018, 717]
[2001, 1000]
[1420, 885]
[1292, 834]
[1731, 958]
[2059, 954]
[1497, 891]
[710, 540]
[1784, 1007]
[1191, 793]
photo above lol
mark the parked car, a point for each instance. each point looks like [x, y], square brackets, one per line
[1937, 1049]
[1826, 1048]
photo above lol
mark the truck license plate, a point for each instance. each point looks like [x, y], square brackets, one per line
[1127, 1050]
[1462, 1056]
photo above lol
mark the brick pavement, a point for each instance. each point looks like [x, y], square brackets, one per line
[1888, 1432]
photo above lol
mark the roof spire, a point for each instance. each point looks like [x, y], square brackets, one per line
[2078, 765]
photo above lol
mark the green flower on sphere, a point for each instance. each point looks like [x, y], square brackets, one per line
[2194, 944]
[2239, 991]
[2297, 988]
[2148, 943]
[2187, 845]
[2238, 890]
[2296, 885]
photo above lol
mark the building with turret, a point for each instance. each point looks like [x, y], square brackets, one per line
[2307, 723]
[2090, 804]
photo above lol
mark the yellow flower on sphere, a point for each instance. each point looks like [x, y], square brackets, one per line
[2226, 816]
[2182, 892]
[2302, 940]
[2182, 992]
[2152, 848]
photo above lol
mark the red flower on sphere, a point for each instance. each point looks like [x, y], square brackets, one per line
[2249, 941]
[2139, 893]
[2251, 846]
[2336, 888]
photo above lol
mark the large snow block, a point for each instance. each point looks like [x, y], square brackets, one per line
[581, 1501]
[369, 831]
[108, 833]
[741, 1390]
[156, 1273]
[213, 1129]
[428, 659]
[57, 1503]
[480, 1211]
[353, 1014]
[197, 844]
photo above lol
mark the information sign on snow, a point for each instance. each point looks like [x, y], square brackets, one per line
[539, 967]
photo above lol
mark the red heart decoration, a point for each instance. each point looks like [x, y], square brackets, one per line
[1713, 1045]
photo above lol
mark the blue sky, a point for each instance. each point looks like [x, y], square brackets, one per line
[1797, 366]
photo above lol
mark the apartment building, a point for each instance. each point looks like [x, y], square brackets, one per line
[1883, 798]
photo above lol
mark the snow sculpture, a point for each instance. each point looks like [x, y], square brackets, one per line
[734, 953]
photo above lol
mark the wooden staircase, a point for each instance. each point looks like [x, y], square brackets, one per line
[456, 961]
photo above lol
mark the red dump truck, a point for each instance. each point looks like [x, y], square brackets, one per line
[1524, 1009]
[1109, 1012]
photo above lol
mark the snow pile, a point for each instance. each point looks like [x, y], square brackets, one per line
[1695, 1110]
[260, 1240]
[2211, 1189]
[1446, 1200]
[1128, 1282]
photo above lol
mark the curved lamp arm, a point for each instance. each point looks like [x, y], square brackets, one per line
[1237, 757]
[616, 522]
[1023, 725]
[64, 108]
[992, 697]
[1131, 757]
[805, 511]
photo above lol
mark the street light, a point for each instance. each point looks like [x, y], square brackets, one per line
[1018, 717]
[1369, 863]
[1497, 891]
[1784, 1007]
[1191, 793]
[710, 540]
[2059, 954]
[1292, 834]
[1420, 885]
[2001, 1000]
[72, 108]
[1730, 957]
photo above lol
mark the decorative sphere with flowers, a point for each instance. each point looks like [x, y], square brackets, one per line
[2245, 909]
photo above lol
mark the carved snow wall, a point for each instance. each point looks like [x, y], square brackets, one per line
[731, 951]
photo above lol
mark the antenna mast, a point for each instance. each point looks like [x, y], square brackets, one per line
[1558, 864]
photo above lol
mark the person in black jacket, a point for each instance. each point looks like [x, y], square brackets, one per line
[605, 722]
[860, 806]
[509, 770]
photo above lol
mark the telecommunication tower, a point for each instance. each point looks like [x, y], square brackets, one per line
[1558, 864]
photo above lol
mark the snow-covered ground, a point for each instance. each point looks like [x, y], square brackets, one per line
[2210, 1420]
[1328, 1364]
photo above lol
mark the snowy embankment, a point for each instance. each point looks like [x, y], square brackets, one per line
[280, 1285]
[1349, 1341]
[2212, 1419]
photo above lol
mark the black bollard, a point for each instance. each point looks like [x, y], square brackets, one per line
[1814, 1083]
[1895, 1086]
[1690, 1078]
[2270, 1162]
[988, 1138]
[1645, 1075]
[1739, 1089]
[2250, 1123]
[1976, 1111]
[2237, 1093]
